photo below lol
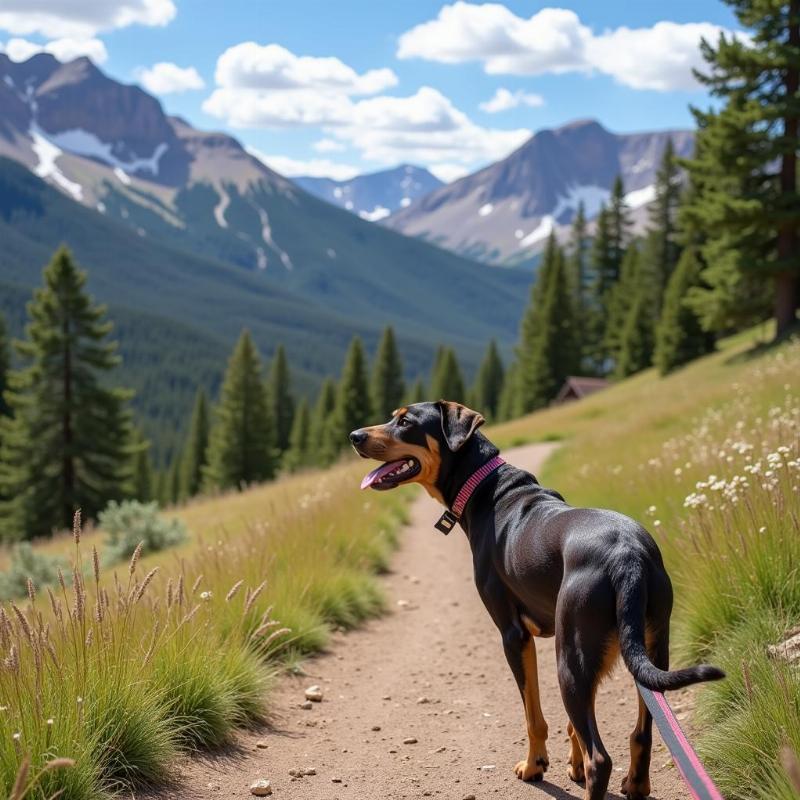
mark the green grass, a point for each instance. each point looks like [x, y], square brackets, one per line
[709, 460]
[120, 671]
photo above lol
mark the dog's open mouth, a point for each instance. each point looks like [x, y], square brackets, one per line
[391, 474]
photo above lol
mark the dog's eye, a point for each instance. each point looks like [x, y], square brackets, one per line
[403, 422]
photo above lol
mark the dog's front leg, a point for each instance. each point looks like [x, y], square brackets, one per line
[520, 652]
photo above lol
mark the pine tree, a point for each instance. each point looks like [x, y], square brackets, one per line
[578, 260]
[5, 364]
[619, 225]
[280, 398]
[321, 424]
[298, 455]
[663, 249]
[636, 343]
[600, 282]
[745, 165]
[447, 382]
[241, 448]
[142, 484]
[353, 408]
[386, 385]
[67, 446]
[489, 383]
[163, 488]
[175, 482]
[621, 297]
[195, 452]
[509, 397]
[548, 351]
[418, 394]
[679, 334]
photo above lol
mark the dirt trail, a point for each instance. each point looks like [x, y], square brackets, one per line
[432, 670]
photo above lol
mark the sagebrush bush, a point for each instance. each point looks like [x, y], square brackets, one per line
[26, 564]
[131, 523]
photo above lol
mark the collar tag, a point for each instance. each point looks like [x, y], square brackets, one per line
[446, 522]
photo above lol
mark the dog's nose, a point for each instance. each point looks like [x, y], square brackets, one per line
[358, 437]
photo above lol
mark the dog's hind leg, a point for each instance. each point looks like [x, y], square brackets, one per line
[575, 769]
[520, 653]
[636, 784]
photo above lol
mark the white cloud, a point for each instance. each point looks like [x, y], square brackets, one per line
[503, 100]
[64, 50]
[269, 87]
[660, 58]
[552, 40]
[81, 19]
[168, 78]
[328, 146]
[555, 41]
[271, 67]
[315, 167]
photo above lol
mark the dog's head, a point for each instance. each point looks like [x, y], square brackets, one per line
[417, 445]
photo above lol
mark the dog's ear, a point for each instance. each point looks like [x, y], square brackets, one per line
[458, 423]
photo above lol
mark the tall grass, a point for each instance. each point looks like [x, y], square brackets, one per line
[118, 672]
[709, 460]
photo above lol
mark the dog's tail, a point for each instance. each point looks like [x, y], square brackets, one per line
[631, 604]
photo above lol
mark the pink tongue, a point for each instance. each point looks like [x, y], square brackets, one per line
[379, 473]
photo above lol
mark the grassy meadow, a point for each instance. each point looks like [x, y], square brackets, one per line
[709, 460]
[119, 670]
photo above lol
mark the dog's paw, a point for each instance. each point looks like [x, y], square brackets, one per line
[633, 790]
[531, 771]
[576, 772]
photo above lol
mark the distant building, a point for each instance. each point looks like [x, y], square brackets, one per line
[576, 388]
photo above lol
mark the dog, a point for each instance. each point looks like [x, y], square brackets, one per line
[592, 578]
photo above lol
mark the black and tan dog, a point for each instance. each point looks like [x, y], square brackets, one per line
[592, 578]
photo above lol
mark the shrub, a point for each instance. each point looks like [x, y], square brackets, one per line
[26, 564]
[130, 523]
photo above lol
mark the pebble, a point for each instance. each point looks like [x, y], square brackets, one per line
[336, 780]
[261, 788]
[376, 727]
[422, 701]
[469, 797]
[487, 767]
[314, 693]
[261, 744]
[386, 697]
[410, 740]
[308, 705]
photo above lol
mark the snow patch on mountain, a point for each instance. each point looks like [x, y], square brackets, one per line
[641, 197]
[485, 210]
[592, 197]
[379, 212]
[47, 152]
[219, 209]
[540, 232]
[86, 144]
[266, 235]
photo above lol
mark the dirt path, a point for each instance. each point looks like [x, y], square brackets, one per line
[432, 670]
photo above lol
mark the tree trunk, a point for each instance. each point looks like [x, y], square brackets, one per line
[786, 281]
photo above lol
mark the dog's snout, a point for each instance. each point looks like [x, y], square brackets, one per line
[358, 437]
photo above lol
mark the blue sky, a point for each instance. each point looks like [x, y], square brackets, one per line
[338, 87]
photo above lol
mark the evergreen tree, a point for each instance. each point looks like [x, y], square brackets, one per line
[489, 383]
[175, 482]
[441, 353]
[241, 448]
[418, 394]
[5, 364]
[321, 424]
[619, 225]
[195, 452]
[636, 343]
[386, 385]
[280, 398]
[679, 335]
[67, 446]
[745, 167]
[601, 280]
[447, 382]
[578, 261]
[662, 248]
[621, 297]
[298, 455]
[603, 256]
[548, 351]
[163, 488]
[353, 408]
[509, 397]
[142, 488]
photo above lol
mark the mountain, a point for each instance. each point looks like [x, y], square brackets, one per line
[376, 195]
[504, 213]
[184, 227]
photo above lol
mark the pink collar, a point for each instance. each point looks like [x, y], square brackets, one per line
[449, 518]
